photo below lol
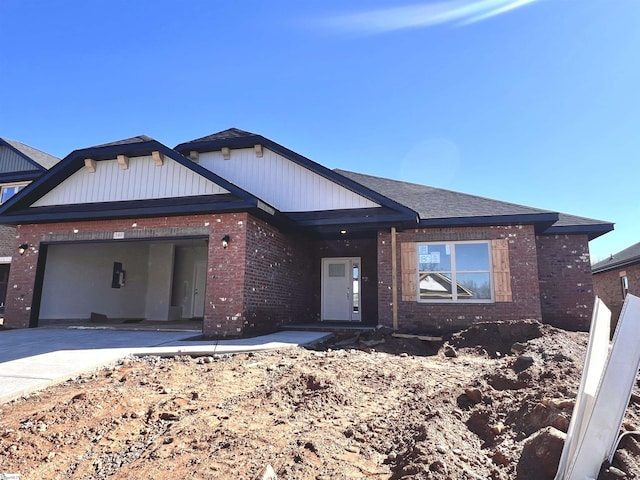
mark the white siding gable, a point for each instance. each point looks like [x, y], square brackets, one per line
[143, 180]
[287, 186]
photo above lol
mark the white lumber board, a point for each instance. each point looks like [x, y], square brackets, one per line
[612, 396]
[594, 362]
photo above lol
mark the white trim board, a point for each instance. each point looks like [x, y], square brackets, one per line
[594, 363]
[612, 396]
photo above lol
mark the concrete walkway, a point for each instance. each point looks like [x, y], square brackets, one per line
[33, 359]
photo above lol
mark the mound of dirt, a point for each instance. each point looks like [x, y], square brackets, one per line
[368, 406]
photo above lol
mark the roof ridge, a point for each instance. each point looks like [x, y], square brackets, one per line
[232, 132]
[124, 141]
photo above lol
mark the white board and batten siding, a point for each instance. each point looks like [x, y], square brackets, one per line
[143, 180]
[284, 184]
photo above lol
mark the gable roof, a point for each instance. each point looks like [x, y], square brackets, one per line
[402, 204]
[440, 207]
[628, 256]
[234, 138]
[19, 209]
[126, 141]
[224, 135]
[40, 159]
[20, 162]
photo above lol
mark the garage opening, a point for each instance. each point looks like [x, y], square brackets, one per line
[159, 280]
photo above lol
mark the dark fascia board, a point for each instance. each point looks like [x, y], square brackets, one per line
[541, 221]
[121, 210]
[389, 219]
[75, 161]
[250, 140]
[592, 231]
[612, 266]
[25, 176]
[35, 164]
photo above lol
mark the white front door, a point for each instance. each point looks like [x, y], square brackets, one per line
[341, 289]
[199, 287]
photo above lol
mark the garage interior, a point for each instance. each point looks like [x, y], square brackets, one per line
[123, 281]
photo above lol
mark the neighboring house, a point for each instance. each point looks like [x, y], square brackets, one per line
[616, 276]
[20, 164]
[249, 235]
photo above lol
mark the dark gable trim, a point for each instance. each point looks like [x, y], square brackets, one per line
[25, 176]
[39, 168]
[250, 140]
[19, 205]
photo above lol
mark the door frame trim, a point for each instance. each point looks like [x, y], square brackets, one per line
[323, 261]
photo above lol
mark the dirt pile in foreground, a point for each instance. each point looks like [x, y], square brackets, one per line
[368, 407]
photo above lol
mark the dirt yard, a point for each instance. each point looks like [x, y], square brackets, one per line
[374, 407]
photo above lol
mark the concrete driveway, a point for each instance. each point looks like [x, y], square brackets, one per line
[32, 359]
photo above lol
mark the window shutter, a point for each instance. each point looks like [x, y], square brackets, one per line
[501, 271]
[408, 265]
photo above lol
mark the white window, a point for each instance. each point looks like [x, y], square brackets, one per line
[624, 281]
[9, 191]
[455, 272]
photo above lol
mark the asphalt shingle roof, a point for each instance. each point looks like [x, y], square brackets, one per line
[41, 158]
[224, 135]
[625, 257]
[126, 141]
[432, 203]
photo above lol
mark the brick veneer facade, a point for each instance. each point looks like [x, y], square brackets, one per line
[256, 283]
[608, 286]
[278, 282]
[266, 278]
[566, 285]
[421, 317]
[366, 250]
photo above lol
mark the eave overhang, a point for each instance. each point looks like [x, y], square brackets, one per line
[592, 231]
[129, 209]
[615, 265]
[540, 221]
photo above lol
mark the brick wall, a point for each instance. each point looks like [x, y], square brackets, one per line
[23, 272]
[258, 282]
[433, 317]
[224, 306]
[566, 285]
[608, 286]
[366, 249]
[278, 281]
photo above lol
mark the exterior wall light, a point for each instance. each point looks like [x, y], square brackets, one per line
[225, 241]
[23, 248]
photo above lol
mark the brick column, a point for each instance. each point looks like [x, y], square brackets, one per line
[224, 309]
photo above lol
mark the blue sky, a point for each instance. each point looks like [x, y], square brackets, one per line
[534, 102]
